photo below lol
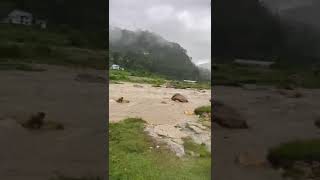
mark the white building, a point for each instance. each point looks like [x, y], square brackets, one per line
[19, 17]
[115, 67]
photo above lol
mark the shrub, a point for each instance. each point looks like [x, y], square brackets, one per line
[203, 109]
[286, 154]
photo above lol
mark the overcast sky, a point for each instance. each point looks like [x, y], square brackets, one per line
[187, 22]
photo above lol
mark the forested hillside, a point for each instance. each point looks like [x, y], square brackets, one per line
[146, 51]
[248, 29]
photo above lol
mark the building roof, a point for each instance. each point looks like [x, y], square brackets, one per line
[25, 13]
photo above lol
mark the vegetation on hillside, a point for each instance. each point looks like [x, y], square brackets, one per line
[21, 44]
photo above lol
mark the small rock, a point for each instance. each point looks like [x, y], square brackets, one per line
[180, 98]
[163, 102]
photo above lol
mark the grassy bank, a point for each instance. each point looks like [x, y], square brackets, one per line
[154, 79]
[299, 159]
[286, 154]
[235, 75]
[133, 155]
[21, 44]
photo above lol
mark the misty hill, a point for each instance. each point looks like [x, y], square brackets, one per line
[147, 51]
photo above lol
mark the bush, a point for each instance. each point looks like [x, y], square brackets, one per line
[203, 109]
[286, 154]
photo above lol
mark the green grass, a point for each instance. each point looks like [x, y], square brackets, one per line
[135, 77]
[236, 75]
[286, 154]
[191, 146]
[32, 45]
[154, 79]
[205, 115]
[203, 109]
[185, 85]
[130, 157]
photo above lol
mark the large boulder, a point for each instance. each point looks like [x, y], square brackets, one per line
[180, 98]
[228, 117]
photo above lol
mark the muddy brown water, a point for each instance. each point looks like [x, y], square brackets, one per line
[273, 119]
[77, 151]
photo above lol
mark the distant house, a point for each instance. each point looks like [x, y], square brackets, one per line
[254, 62]
[146, 53]
[17, 16]
[115, 67]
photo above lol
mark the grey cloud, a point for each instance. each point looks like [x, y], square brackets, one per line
[186, 22]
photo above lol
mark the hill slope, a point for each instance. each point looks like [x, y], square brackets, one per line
[146, 51]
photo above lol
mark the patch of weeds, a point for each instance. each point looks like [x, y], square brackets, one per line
[197, 149]
[286, 154]
[205, 122]
[205, 115]
[202, 110]
[133, 155]
[185, 85]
